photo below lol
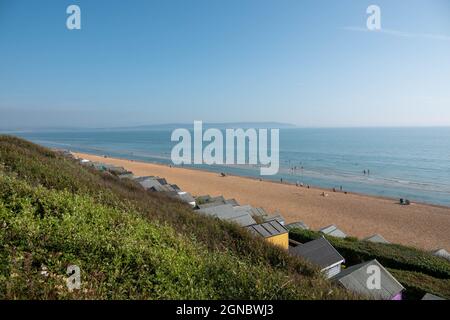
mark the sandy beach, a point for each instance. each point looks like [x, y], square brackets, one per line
[420, 225]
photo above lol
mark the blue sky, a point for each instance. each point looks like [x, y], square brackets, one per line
[309, 63]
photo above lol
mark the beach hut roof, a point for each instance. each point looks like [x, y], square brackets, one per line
[259, 212]
[267, 229]
[186, 197]
[297, 225]
[172, 194]
[116, 170]
[229, 213]
[149, 182]
[233, 202]
[319, 252]
[429, 296]
[162, 181]
[97, 165]
[277, 217]
[212, 202]
[163, 188]
[218, 198]
[203, 198]
[126, 176]
[243, 220]
[210, 205]
[139, 179]
[376, 238]
[355, 279]
[442, 253]
[332, 230]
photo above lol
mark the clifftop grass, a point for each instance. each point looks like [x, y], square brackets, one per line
[128, 243]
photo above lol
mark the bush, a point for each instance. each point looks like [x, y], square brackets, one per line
[417, 284]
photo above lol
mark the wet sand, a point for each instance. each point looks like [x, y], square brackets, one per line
[420, 225]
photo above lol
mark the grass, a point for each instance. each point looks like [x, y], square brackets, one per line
[417, 270]
[128, 243]
[417, 284]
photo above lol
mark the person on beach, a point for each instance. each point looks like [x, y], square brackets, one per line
[340, 188]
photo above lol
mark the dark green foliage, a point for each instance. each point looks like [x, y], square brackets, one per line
[417, 284]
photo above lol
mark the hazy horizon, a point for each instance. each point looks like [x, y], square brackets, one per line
[311, 64]
[235, 124]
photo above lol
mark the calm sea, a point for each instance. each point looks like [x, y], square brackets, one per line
[411, 163]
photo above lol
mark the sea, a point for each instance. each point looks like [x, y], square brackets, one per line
[409, 163]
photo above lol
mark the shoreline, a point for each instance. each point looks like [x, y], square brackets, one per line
[422, 225]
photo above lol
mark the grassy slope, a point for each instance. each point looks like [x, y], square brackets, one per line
[418, 271]
[127, 242]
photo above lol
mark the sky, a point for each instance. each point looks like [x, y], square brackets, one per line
[304, 62]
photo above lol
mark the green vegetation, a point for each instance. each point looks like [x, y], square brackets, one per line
[128, 243]
[417, 284]
[418, 271]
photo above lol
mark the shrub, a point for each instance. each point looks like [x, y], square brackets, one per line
[417, 284]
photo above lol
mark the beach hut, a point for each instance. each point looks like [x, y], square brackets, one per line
[321, 253]
[297, 225]
[126, 176]
[162, 181]
[96, 165]
[115, 169]
[277, 217]
[148, 182]
[429, 296]
[442, 253]
[229, 213]
[203, 199]
[262, 216]
[233, 202]
[333, 231]
[209, 202]
[259, 212]
[361, 279]
[66, 154]
[166, 188]
[376, 238]
[273, 232]
[186, 197]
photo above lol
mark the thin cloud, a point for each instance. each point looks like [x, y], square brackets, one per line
[403, 34]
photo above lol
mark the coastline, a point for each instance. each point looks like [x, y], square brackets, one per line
[425, 226]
